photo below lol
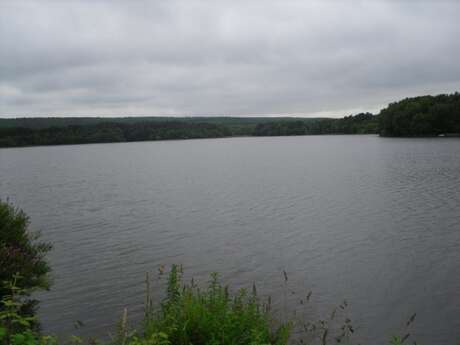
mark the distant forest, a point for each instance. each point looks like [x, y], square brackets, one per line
[58, 131]
[422, 116]
[418, 116]
[109, 132]
[364, 123]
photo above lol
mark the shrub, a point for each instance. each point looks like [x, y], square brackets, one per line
[189, 315]
[16, 328]
[21, 254]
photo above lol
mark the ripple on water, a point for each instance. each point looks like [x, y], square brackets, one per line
[369, 219]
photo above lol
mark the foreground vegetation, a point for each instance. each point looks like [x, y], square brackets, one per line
[187, 315]
[21, 254]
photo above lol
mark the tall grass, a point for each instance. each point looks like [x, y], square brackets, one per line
[210, 316]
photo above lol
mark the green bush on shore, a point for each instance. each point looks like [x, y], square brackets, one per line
[212, 316]
[21, 254]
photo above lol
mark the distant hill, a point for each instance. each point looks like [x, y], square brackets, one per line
[422, 116]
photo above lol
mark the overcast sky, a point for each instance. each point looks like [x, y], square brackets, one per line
[307, 58]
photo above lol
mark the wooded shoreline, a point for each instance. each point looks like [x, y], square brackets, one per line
[424, 116]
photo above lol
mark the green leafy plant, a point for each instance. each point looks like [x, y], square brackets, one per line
[210, 316]
[15, 327]
[21, 253]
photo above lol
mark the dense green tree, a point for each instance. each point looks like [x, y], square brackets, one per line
[364, 123]
[22, 255]
[110, 132]
[422, 116]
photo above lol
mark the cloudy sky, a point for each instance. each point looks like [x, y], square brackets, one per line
[307, 58]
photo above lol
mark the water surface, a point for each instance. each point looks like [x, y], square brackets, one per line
[373, 220]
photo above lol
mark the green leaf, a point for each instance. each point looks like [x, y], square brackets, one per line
[2, 333]
[18, 339]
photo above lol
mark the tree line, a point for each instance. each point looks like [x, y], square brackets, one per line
[109, 132]
[422, 116]
[417, 116]
[125, 131]
[364, 123]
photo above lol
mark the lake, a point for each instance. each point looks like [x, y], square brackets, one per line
[373, 220]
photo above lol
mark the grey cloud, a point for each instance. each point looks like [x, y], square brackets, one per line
[223, 57]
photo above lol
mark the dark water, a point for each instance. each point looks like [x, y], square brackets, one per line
[373, 220]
